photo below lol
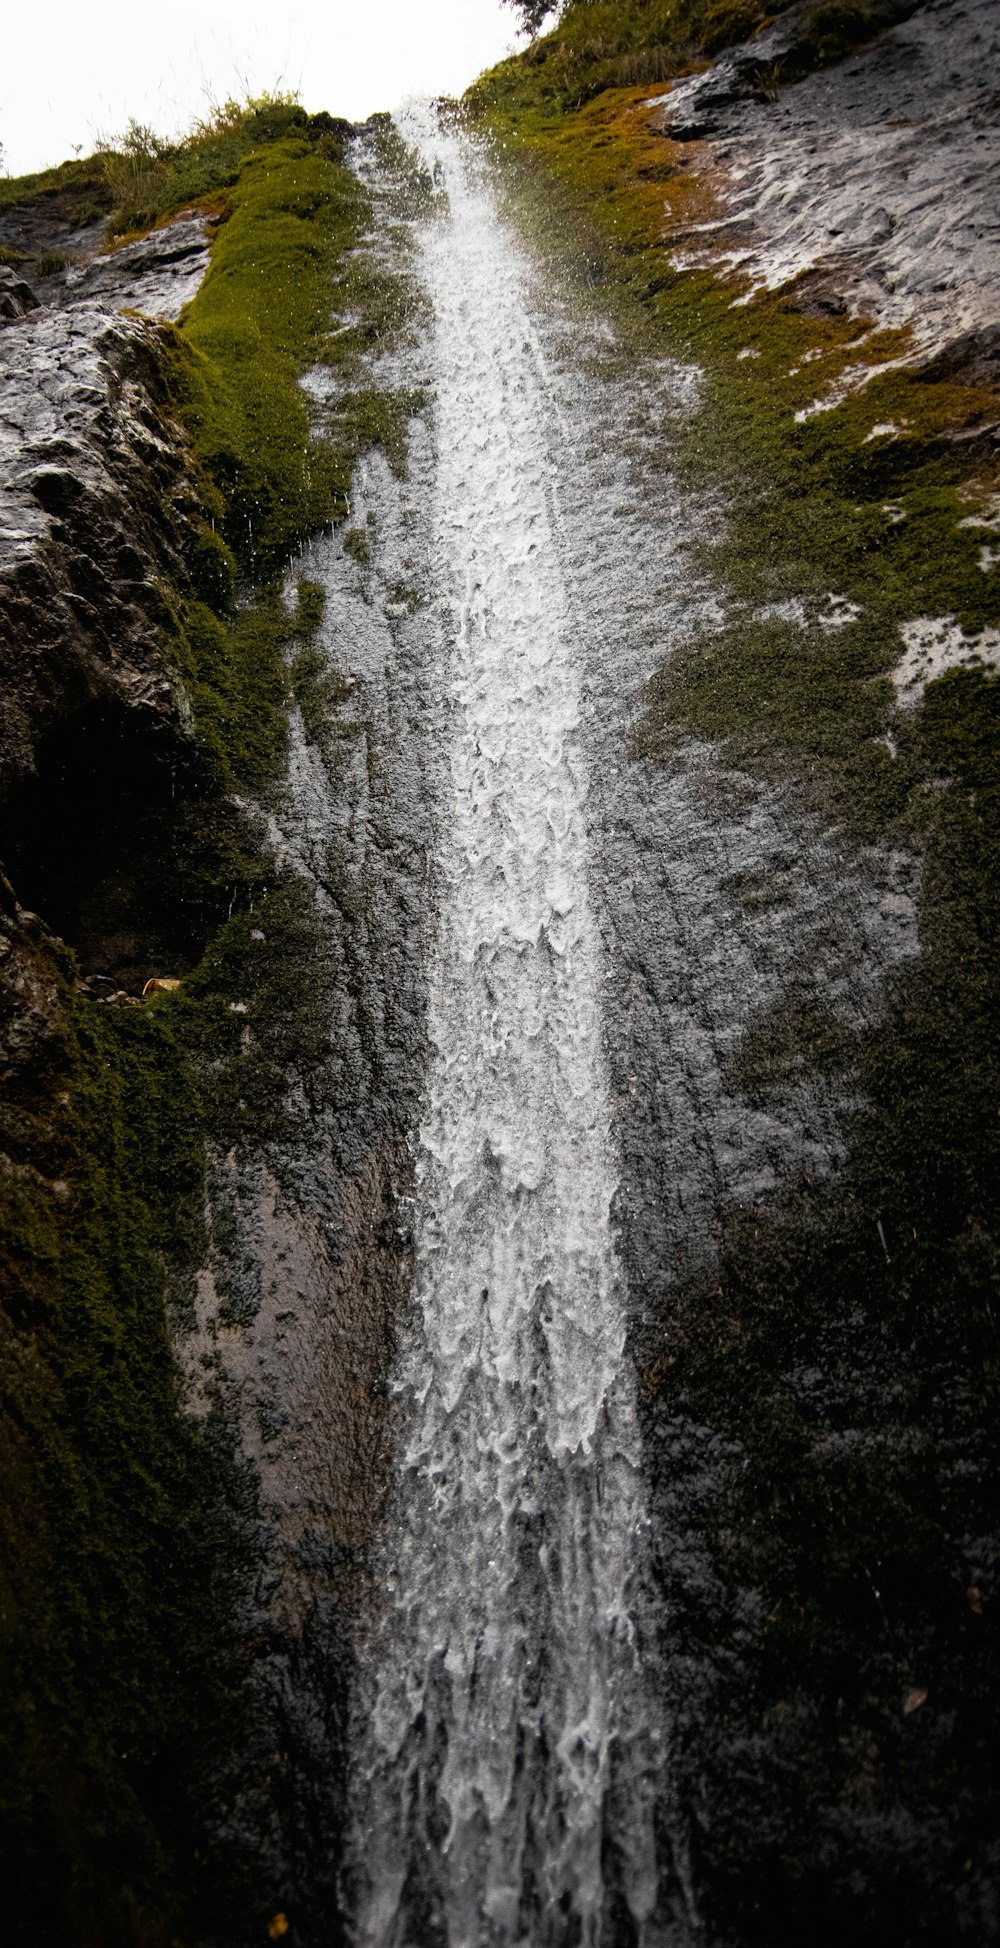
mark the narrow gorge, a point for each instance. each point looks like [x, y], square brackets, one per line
[499, 818]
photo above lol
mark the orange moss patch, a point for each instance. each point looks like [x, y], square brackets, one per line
[635, 192]
[632, 179]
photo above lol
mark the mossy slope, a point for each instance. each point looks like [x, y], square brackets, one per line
[132, 1734]
[259, 319]
[842, 1361]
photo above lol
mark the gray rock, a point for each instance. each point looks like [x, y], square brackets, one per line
[156, 275]
[16, 297]
[95, 497]
[874, 179]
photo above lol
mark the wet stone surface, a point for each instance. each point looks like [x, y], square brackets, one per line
[94, 495]
[879, 172]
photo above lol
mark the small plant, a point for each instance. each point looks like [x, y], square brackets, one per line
[767, 80]
[84, 213]
[50, 263]
[135, 164]
[263, 115]
[646, 67]
[835, 27]
[149, 178]
[356, 545]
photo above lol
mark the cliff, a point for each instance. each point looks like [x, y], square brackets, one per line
[762, 260]
[804, 226]
[173, 971]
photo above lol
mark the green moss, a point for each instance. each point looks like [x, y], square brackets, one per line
[358, 546]
[792, 1042]
[760, 892]
[794, 702]
[80, 179]
[841, 1359]
[727, 22]
[832, 30]
[236, 680]
[128, 1703]
[257, 1010]
[283, 259]
[130, 1539]
[259, 319]
[375, 417]
[125, 1678]
[318, 691]
[150, 180]
[311, 602]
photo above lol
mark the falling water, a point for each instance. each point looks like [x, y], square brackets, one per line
[510, 1750]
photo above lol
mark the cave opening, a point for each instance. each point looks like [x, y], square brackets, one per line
[89, 842]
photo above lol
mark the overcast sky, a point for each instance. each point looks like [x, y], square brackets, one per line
[70, 73]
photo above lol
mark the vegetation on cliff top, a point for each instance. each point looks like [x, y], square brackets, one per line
[598, 44]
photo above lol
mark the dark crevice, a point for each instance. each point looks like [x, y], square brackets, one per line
[88, 843]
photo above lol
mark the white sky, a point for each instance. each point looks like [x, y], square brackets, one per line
[70, 71]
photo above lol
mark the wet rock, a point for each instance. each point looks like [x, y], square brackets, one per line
[157, 274]
[872, 181]
[973, 359]
[16, 297]
[55, 488]
[96, 503]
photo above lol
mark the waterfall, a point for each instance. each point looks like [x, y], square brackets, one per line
[509, 1755]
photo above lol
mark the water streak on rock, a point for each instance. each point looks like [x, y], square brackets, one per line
[510, 1749]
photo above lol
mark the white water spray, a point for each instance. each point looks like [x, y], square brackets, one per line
[508, 1776]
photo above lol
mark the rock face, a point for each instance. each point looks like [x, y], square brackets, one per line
[95, 500]
[16, 297]
[285, 1272]
[96, 510]
[876, 176]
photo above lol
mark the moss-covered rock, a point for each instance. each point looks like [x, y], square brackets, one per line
[835, 1367]
[137, 1746]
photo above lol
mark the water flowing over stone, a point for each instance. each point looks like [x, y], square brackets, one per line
[511, 1750]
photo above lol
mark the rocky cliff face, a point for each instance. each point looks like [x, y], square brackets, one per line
[870, 181]
[96, 492]
[804, 226]
[99, 518]
[200, 1171]
[769, 321]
